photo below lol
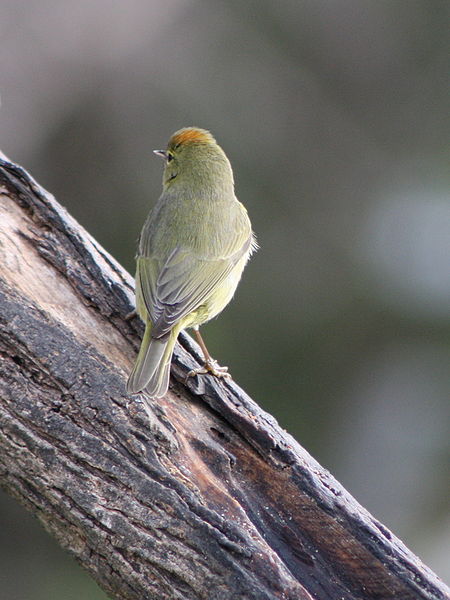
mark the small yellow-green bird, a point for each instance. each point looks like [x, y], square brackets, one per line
[192, 251]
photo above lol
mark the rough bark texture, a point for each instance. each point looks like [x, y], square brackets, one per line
[198, 496]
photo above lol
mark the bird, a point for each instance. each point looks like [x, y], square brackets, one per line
[192, 251]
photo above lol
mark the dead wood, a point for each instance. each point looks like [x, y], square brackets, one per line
[202, 496]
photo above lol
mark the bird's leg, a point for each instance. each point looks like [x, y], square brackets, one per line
[211, 365]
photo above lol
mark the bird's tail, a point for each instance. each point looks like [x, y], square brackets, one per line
[151, 371]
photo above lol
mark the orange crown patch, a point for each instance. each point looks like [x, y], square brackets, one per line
[190, 135]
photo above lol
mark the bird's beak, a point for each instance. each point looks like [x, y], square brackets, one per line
[161, 153]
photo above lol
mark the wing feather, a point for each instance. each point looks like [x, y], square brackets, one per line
[173, 288]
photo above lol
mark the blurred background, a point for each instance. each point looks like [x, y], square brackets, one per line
[335, 118]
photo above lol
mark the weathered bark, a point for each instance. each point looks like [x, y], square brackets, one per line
[199, 496]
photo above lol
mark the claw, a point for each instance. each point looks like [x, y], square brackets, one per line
[210, 366]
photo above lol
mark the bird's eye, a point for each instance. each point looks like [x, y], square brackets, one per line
[169, 157]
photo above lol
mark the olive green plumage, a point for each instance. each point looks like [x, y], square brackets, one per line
[192, 251]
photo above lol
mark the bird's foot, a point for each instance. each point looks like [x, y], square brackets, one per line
[210, 366]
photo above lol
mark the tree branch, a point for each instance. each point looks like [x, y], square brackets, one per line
[201, 495]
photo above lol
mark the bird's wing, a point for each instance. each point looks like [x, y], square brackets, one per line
[173, 288]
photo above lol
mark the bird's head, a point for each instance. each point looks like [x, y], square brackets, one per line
[193, 159]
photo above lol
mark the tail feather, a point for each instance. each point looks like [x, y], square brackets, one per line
[158, 385]
[151, 371]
